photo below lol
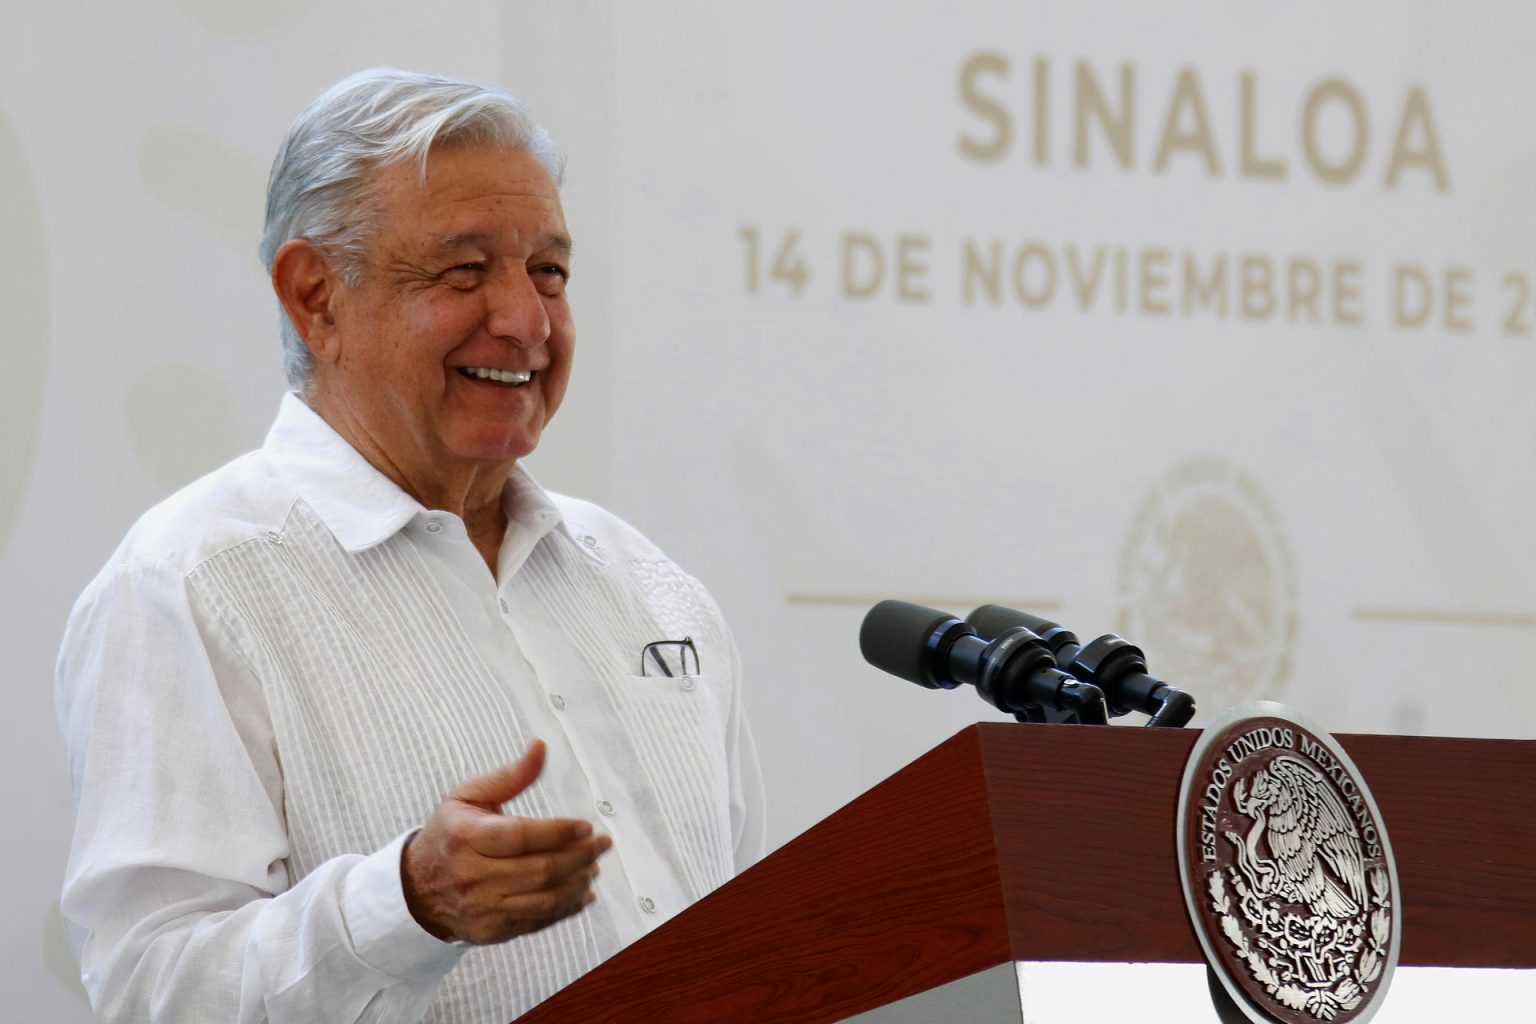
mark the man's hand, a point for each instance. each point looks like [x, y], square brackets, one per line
[476, 874]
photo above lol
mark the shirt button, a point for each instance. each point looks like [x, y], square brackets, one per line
[604, 807]
[433, 526]
[647, 904]
[590, 541]
[687, 682]
[558, 701]
[505, 610]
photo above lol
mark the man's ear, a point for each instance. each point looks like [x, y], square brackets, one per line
[306, 284]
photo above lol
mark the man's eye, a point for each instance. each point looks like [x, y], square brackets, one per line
[465, 275]
[550, 278]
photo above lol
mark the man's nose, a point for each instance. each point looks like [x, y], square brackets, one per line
[515, 309]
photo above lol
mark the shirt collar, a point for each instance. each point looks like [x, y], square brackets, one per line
[361, 506]
[531, 515]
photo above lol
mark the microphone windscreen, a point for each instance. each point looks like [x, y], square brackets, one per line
[992, 619]
[894, 639]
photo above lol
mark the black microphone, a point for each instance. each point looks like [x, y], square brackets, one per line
[992, 619]
[1013, 670]
[1116, 666]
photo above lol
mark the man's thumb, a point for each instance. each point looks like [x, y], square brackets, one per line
[499, 785]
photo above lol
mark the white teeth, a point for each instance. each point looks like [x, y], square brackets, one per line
[501, 376]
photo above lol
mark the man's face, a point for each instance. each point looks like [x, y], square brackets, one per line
[465, 273]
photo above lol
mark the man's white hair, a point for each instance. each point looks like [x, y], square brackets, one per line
[321, 186]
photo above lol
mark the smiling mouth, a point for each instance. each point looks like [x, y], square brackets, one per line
[513, 377]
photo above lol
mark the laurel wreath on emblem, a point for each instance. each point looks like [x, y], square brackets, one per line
[1318, 940]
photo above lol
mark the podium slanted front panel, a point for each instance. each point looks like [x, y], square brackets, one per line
[1050, 844]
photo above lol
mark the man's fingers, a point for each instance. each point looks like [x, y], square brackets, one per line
[550, 905]
[507, 836]
[494, 788]
[544, 871]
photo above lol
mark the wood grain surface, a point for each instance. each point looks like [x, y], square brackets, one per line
[1461, 816]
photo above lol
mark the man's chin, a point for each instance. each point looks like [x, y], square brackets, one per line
[495, 449]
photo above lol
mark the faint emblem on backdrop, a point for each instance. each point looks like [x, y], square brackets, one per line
[1206, 579]
[1287, 871]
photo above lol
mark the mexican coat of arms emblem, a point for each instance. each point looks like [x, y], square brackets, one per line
[1287, 870]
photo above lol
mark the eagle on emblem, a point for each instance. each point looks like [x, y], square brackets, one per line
[1306, 827]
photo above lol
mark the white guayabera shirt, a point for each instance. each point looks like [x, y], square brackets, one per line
[286, 666]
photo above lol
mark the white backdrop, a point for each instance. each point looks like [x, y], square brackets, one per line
[1213, 325]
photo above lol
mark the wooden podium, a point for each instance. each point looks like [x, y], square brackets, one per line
[1050, 843]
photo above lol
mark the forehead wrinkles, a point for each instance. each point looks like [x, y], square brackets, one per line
[487, 230]
[454, 182]
[456, 214]
[453, 171]
[517, 210]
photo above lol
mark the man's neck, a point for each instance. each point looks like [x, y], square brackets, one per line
[470, 490]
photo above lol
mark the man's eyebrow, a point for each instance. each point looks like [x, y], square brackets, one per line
[465, 241]
[561, 244]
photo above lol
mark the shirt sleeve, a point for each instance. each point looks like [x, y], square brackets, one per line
[177, 896]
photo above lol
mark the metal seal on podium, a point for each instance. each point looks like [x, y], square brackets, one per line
[1287, 871]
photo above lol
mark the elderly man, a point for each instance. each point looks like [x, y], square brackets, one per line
[301, 700]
